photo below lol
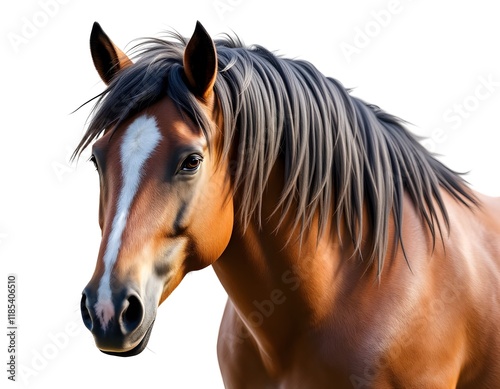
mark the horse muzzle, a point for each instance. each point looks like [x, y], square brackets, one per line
[120, 325]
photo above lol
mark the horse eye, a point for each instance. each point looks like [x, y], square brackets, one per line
[94, 161]
[192, 163]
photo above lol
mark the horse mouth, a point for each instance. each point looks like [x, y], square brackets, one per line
[135, 350]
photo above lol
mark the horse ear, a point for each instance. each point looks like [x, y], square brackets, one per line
[200, 63]
[108, 58]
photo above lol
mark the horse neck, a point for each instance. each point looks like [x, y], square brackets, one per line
[276, 282]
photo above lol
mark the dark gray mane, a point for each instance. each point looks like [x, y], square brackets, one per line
[339, 153]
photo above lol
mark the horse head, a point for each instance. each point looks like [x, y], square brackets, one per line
[165, 207]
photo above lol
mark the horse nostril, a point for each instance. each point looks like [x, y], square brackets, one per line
[132, 314]
[87, 319]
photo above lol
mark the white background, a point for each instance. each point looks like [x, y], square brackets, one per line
[420, 60]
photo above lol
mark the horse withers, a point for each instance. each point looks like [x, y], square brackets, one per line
[351, 257]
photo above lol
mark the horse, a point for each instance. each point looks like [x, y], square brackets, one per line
[351, 256]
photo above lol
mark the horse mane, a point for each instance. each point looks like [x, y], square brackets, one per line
[341, 156]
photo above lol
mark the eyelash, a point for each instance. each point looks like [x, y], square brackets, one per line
[94, 161]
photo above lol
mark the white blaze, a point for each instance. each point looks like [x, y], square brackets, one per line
[139, 141]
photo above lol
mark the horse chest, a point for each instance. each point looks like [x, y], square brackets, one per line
[322, 359]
